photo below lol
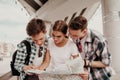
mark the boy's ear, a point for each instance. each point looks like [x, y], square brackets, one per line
[85, 30]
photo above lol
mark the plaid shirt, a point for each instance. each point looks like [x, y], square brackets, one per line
[96, 49]
[21, 55]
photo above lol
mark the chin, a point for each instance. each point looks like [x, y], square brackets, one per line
[74, 40]
[56, 42]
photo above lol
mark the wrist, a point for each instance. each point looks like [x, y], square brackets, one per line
[90, 63]
[87, 63]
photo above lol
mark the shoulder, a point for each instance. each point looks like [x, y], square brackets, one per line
[98, 40]
[50, 41]
[28, 39]
[97, 36]
[71, 43]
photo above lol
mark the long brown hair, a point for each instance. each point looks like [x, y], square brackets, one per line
[61, 26]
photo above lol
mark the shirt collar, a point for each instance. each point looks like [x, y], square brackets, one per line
[88, 36]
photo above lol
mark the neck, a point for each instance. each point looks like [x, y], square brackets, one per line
[85, 33]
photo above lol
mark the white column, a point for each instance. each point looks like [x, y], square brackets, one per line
[111, 30]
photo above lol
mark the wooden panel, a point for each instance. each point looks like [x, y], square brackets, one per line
[43, 1]
[33, 4]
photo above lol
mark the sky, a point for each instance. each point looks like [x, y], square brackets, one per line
[13, 21]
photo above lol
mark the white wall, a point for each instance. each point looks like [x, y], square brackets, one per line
[96, 21]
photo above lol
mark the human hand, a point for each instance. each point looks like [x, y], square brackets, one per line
[41, 68]
[84, 75]
[74, 56]
[28, 67]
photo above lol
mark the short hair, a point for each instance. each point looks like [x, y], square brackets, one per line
[35, 26]
[78, 22]
[61, 26]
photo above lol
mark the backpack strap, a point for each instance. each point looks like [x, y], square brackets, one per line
[28, 47]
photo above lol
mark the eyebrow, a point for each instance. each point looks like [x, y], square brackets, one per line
[56, 36]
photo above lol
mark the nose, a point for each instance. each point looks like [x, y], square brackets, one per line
[55, 39]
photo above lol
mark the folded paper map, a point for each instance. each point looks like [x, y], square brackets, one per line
[74, 66]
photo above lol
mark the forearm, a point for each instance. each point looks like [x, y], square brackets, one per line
[19, 67]
[20, 57]
[95, 64]
[43, 66]
[45, 62]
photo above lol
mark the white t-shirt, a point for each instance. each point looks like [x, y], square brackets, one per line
[60, 55]
[38, 60]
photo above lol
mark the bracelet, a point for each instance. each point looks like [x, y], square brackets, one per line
[44, 69]
[90, 63]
